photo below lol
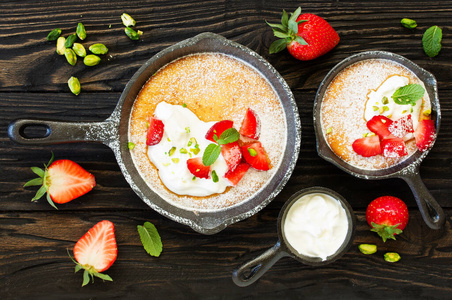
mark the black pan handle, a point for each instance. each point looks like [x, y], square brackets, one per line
[431, 212]
[56, 132]
[251, 271]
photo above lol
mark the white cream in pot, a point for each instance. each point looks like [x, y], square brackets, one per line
[316, 225]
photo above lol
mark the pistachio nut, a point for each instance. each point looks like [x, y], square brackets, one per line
[131, 145]
[98, 49]
[367, 248]
[54, 34]
[74, 85]
[81, 33]
[127, 20]
[79, 49]
[70, 56]
[132, 34]
[60, 45]
[70, 40]
[391, 257]
[91, 60]
[408, 23]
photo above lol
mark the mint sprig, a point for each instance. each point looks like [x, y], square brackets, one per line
[150, 239]
[212, 151]
[408, 94]
[431, 41]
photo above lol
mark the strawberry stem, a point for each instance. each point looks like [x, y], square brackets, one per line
[386, 231]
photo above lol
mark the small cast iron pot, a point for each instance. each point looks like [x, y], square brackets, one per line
[113, 132]
[251, 271]
[408, 169]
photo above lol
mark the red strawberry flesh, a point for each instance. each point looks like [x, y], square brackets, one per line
[251, 125]
[401, 127]
[217, 129]
[197, 168]
[393, 147]
[234, 176]
[97, 248]
[367, 146]
[379, 125]
[425, 134]
[232, 154]
[255, 155]
[155, 131]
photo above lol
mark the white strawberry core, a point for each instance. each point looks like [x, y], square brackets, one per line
[181, 125]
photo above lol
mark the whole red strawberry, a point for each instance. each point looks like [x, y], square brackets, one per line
[306, 36]
[388, 216]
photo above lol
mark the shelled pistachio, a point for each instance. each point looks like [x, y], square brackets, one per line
[60, 49]
[132, 34]
[127, 20]
[98, 49]
[79, 49]
[81, 33]
[70, 40]
[74, 85]
[91, 60]
[54, 34]
[70, 56]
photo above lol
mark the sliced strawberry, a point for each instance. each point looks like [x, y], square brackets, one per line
[379, 125]
[197, 168]
[425, 134]
[155, 131]
[232, 154]
[393, 147]
[367, 146]
[96, 251]
[217, 129]
[401, 127]
[63, 180]
[251, 125]
[234, 176]
[256, 156]
[243, 140]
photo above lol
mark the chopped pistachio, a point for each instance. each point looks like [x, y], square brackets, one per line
[166, 164]
[132, 34]
[127, 20]
[183, 151]
[389, 116]
[54, 34]
[365, 134]
[171, 151]
[408, 23]
[81, 33]
[381, 110]
[375, 108]
[370, 134]
[175, 160]
[385, 108]
[252, 152]
[168, 139]
[194, 178]
[195, 150]
[131, 145]
[427, 112]
[367, 248]
[329, 130]
[70, 40]
[404, 112]
[98, 48]
[187, 129]
[392, 257]
[74, 85]
[91, 60]
[70, 56]
[60, 45]
[385, 100]
[184, 105]
[79, 49]
[214, 176]
[140, 32]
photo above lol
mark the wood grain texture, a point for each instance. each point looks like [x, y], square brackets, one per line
[34, 238]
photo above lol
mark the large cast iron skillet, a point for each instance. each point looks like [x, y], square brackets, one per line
[408, 170]
[113, 132]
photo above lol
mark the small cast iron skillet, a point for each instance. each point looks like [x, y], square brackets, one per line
[113, 132]
[408, 170]
[251, 271]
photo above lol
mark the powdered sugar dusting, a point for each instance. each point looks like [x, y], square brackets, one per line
[215, 87]
[343, 105]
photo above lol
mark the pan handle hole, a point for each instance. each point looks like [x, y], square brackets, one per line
[35, 131]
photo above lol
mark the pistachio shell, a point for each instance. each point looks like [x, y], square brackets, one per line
[91, 60]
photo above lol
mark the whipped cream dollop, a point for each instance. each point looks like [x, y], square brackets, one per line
[180, 127]
[316, 225]
[380, 102]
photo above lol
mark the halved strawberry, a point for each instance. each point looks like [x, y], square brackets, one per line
[367, 146]
[401, 127]
[393, 147]
[217, 129]
[234, 176]
[379, 125]
[155, 131]
[197, 168]
[251, 125]
[232, 154]
[425, 134]
[62, 180]
[256, 156]
[96, 251]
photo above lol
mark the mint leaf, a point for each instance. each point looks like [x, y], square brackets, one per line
[228, 136]
[211, 154]
[150, 239]
[408, 23]
[408, 94]
[431, 41]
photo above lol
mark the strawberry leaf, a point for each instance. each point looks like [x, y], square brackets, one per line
[431, 41]
[77, 267]
[278, 46]
[386, 231]
[42, 190]
[150, 239]
[38, 171]
[293, 26]
[102, 276]
[85, 278]
[211, 154]
[295, 15]
[51, 201]
[300, 40]
[277, 27]
[33, 182]
[285, 19]
[408, 94]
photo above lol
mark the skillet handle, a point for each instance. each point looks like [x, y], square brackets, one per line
[57, 132]
[251, 271]
[431, 212]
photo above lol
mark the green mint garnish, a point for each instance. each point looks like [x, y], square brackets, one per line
[408, 94]
[228, 136]
[408, 23]
[431, 41]
[211, 154]
[150, 239]
[214, 176]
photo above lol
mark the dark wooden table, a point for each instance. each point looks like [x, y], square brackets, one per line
[34, 237]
